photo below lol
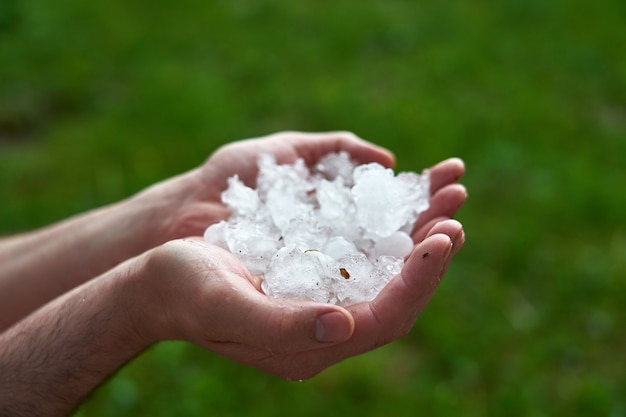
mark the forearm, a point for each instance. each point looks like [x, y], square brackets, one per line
[53, 358]
[38, 266]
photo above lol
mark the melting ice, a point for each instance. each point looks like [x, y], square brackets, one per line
[335, 234]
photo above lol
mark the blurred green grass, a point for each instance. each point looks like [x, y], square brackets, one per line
[100, 99]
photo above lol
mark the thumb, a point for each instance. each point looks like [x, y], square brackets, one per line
[291, 326]
[284, 326]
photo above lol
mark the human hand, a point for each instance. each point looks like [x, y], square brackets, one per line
[194, 199]
[188, 204]
[204, 295]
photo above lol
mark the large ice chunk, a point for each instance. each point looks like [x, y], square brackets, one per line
[386, 203]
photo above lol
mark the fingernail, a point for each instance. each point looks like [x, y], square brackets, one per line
[332, 328]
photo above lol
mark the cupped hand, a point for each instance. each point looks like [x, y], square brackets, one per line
[241, 157]
[187, 204]
[196, 196]
[207, 297]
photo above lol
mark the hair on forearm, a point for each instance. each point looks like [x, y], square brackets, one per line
[51, 360]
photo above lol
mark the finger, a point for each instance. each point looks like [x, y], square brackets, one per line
[358, 149]
[449, 227]
[446, 172]
[454, 229]
[421, 233]
[279, 326]
[287, 147]
[444, 204]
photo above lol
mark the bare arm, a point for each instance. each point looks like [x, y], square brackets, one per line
[38, 266]
[189, 290]
[53, 358]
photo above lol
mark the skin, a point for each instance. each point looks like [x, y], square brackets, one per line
[82, 297]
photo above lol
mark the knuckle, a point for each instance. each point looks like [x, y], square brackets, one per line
[347, 134]
[162, 256]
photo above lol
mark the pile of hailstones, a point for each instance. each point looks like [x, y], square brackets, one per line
[335, 234]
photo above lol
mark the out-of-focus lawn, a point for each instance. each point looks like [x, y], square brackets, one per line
[100, 99]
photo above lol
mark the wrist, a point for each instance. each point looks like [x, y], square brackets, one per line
[177, 282]
[172, 209]
[55, 356]
[140, 301]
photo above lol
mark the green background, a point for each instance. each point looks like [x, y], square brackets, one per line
[100, 99]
